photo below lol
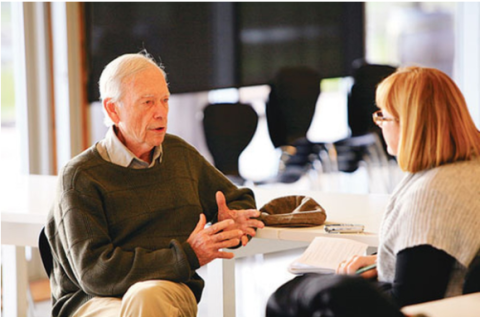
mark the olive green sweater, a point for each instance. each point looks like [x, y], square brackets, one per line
[111, 226]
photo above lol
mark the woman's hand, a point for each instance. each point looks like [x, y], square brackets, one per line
[351, 265]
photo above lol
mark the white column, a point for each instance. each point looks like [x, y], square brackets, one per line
[68, 84]
[33, 87]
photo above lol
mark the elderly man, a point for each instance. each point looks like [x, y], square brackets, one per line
[127, 229]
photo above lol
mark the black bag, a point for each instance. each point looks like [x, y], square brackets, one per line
[317, 295]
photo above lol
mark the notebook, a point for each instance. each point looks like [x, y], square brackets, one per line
[324, 254]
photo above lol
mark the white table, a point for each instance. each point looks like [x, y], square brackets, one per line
[464, 306]
[340, 208]
[26, 201]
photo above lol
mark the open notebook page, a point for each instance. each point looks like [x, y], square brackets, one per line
[324, 254]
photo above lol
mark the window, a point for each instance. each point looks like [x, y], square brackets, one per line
[9, 146]
[405, 33]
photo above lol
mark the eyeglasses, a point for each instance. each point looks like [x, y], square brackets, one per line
[378, 118]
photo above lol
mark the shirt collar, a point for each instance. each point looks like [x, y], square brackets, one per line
[119, 154]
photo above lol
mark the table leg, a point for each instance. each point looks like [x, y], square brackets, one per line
[221, 297]
[15, 281]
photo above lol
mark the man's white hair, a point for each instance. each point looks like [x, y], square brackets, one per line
[117, 71]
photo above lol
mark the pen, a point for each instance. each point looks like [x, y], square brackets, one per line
[366, 268]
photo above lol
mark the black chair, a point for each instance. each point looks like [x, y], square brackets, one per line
[366, 146]
[291, 104]
[45, 252]
[229, 128]
[290, 109]
[353, 151]
[361, 98]
[299, 158]
[364, 151]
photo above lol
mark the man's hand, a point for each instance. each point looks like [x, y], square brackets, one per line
[208, 242]
[242, 218]
[356, 262]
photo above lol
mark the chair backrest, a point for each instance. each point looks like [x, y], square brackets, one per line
[45, 252]
[228, 128]
[291, 104]
[361, 99]
[472, 279]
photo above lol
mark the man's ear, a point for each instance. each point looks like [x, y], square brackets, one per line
[111, 108]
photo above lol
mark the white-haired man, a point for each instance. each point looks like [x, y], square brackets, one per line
[127, 229]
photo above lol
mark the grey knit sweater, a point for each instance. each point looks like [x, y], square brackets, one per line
[438, 207]
[111, 226]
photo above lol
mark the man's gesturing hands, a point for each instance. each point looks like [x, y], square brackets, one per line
[207, 242]
[232, 227]
[242, 218]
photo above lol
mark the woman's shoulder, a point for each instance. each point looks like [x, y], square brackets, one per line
[445, 190]
[457, 176]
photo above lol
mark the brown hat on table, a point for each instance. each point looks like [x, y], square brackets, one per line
[293, 211]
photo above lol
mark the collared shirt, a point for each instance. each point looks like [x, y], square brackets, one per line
[111, 149]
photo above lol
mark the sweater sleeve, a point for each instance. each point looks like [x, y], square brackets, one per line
[422, 274]
[86, 253]
[212, 180]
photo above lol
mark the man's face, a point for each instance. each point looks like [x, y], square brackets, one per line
[142, 115]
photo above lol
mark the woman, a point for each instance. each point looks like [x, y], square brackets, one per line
[429, 236]
[430, 232]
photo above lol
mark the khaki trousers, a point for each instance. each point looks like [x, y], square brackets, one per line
[149, 298]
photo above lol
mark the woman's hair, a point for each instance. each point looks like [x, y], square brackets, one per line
[435, 125]
[118, 70]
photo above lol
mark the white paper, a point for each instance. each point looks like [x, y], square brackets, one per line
[325, 254]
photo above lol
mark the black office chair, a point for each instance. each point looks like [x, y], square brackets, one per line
[45, 252]
[229, 128]
[366, 146]
[291, 104]
[290, 109]
[361, 98]
[353, 151]
[366, 151]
